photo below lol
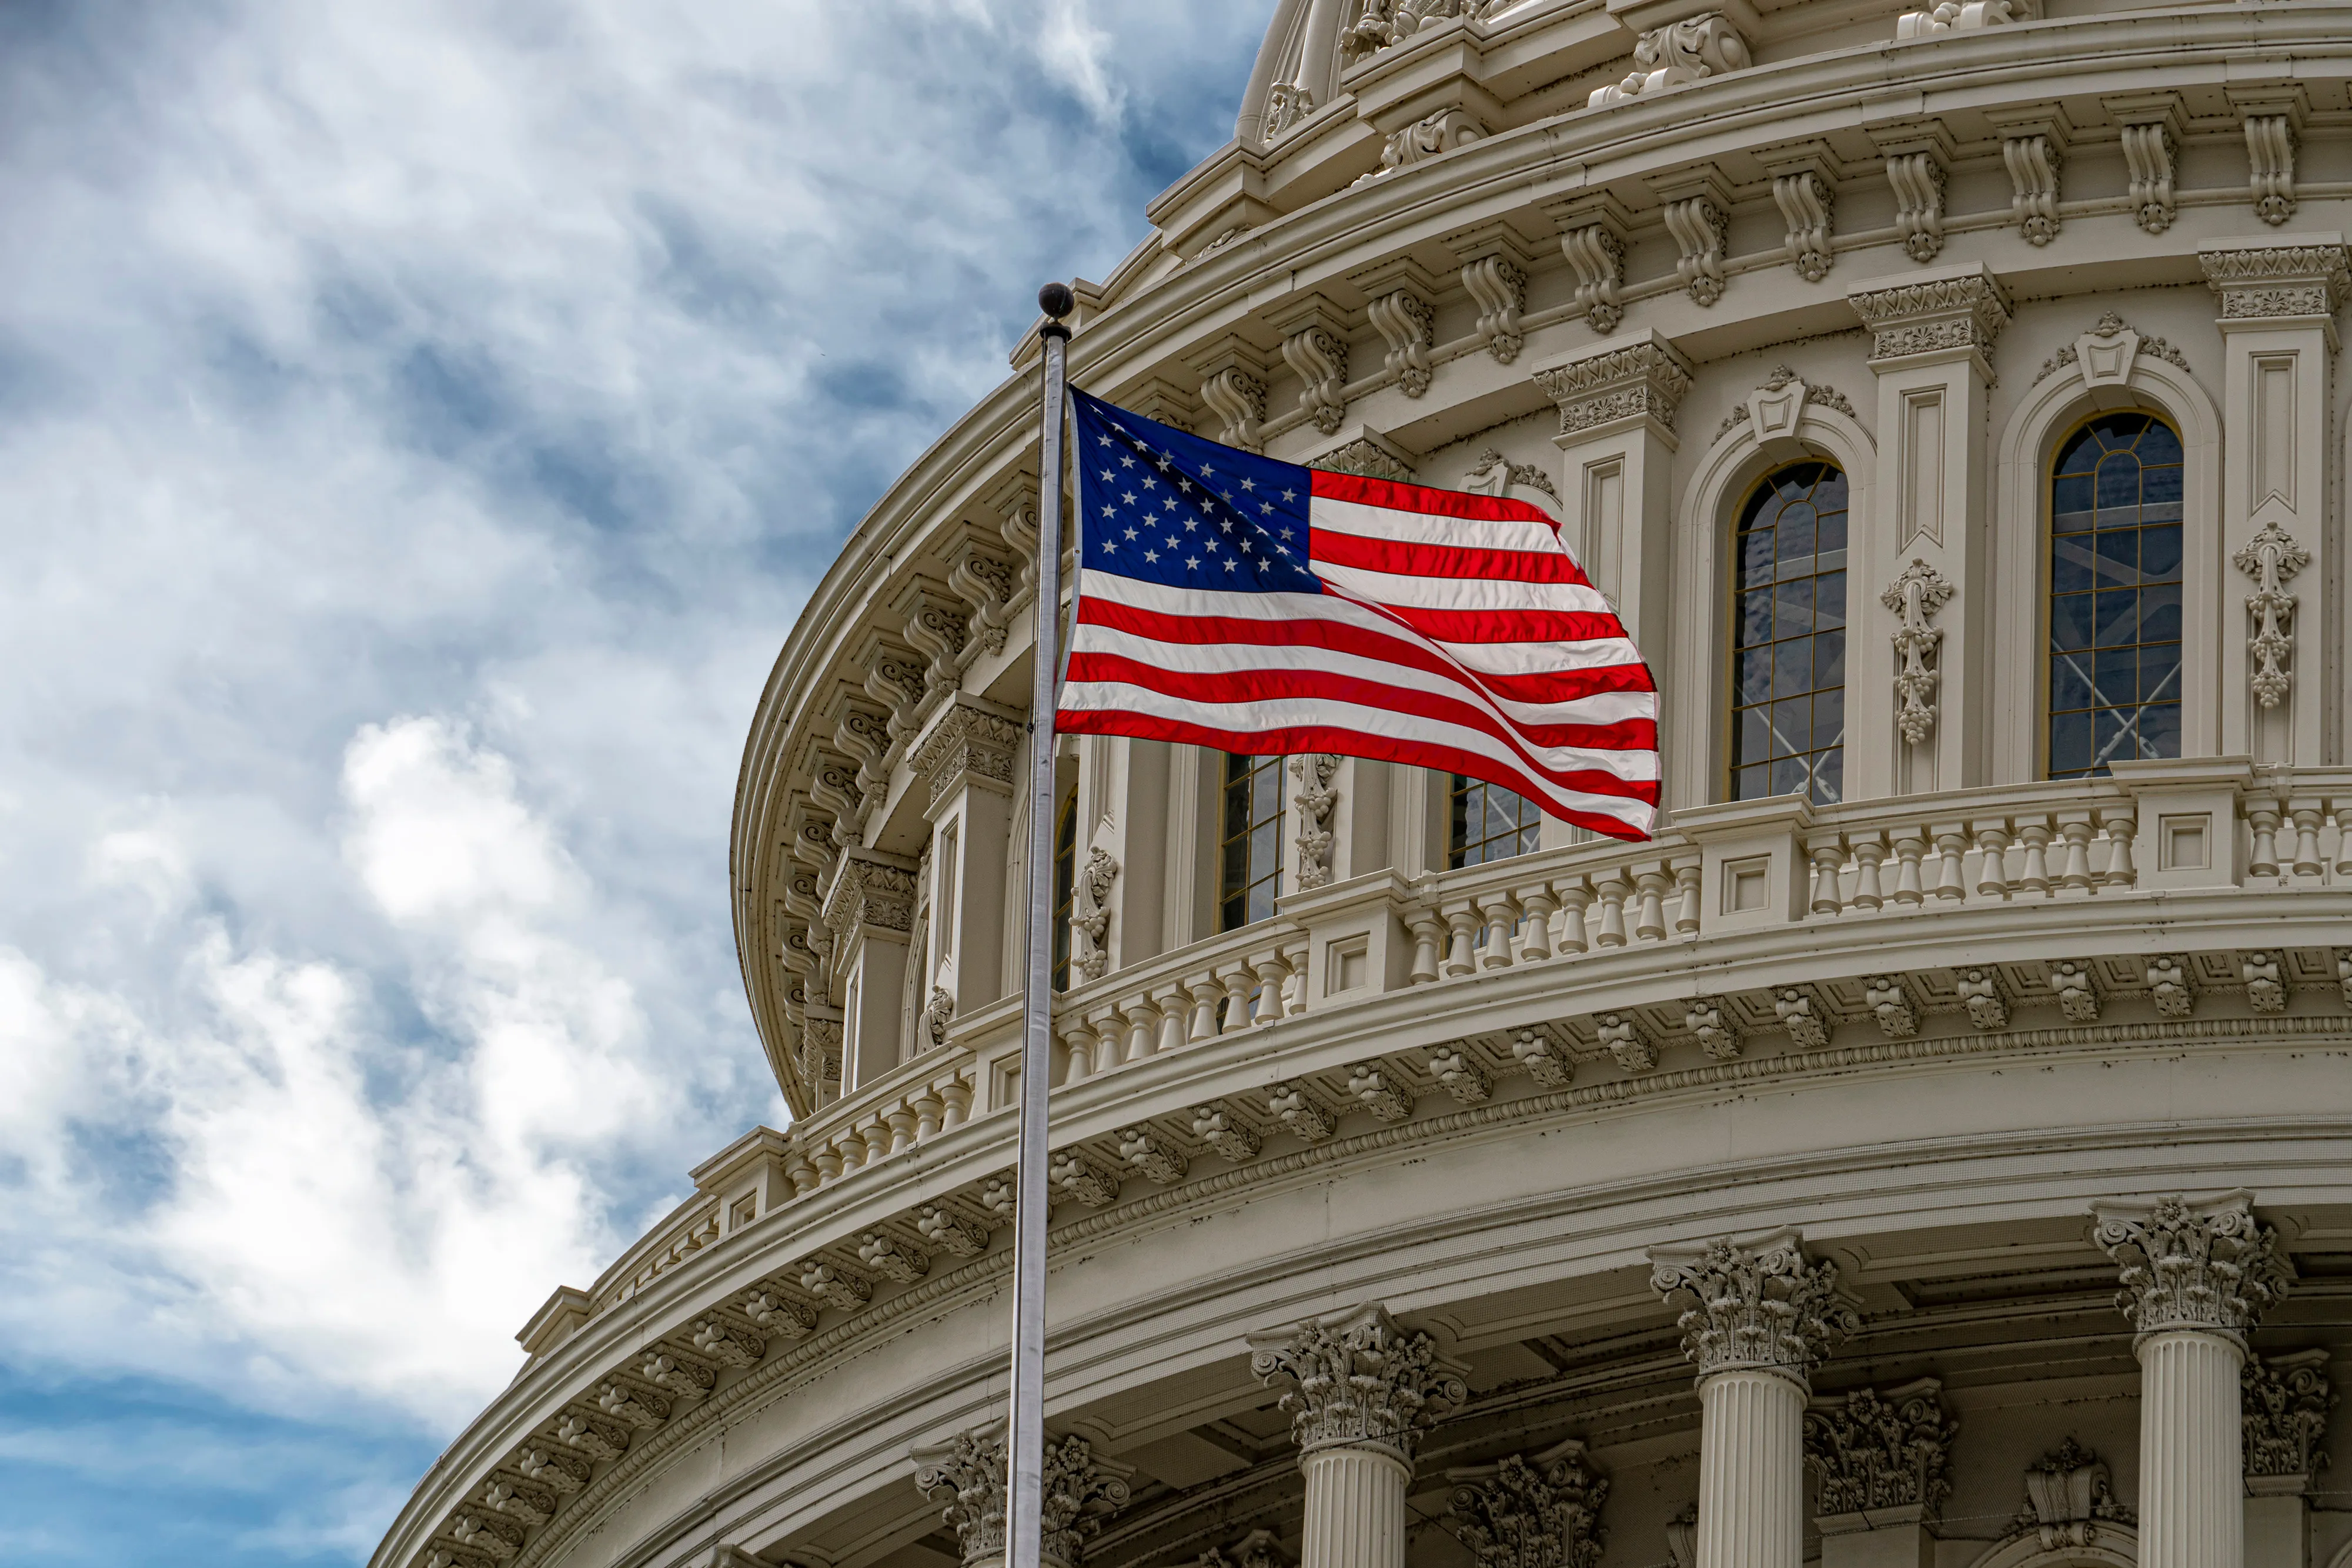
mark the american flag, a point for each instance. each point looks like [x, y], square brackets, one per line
[1230, 600]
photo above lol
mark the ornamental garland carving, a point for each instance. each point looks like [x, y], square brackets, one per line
[1914, 596]
[1870, 1451]
[2271, 558]
[1639, 380]
[1492, 474]
[1759, 1306]
[1388, 23]
[1358, 1380]
[2205, 1266]
[1538, 1512]
[2112, 336]
[1079, 1490]
[1091, 915]
[2284, 1403]
[1316, 800]
[1687, 51]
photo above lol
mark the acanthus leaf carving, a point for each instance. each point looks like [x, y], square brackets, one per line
[1639, 380]
[1358, 1379]
[1377, 1089]
[2208, 1266]
[1760, 1305]
[1689, 50]
[1233, 1139]
[1147, 1153]
[1080, 1492]
[1534, 1512]
[2284, 1401]
[950, 1232]
[1316, 800]
[2271, 558]
[1868, 1451]
[1458, 1072]
[2068, 1496]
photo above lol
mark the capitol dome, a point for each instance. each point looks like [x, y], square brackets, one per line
[1933, 1149]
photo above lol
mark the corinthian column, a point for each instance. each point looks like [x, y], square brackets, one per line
[2195, 1277]
[969, 1471]
[1756, 1317]
[1361, 1389]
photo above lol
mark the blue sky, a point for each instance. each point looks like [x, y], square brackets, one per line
[420, 422]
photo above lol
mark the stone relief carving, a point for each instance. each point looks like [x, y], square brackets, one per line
[1153, 1156]
[1316, 800]
[868, 892]
[1238, 399]
[1287, 103]
[1966, 312]
[1366, 457]
[1441, 132]
[1682, 1538]
[1916, 595]
[1686, 51]
[2210, 1266]
[1869, 1451]
[1077, 1173]
[1233, 1139]
[1318, 355]
[2148, 149]
[1596, 253]
[1405, 321]
[1757, 1305]
[1091, 917]
[2271, 558]
[2270, 155]
[2067, 1497]
[1808, 204]
[1540, 1511]
[1543, 1059]
[1458, 1074]
[1919, 179]
[1621, 383]
[937, 1011]
[2035, 162]
[1492, 474]
[1258, 1549]
[1358, 1379]
[1384, 23]
[966, 741]
[2278, 281]
[1622, 1037]
[986, 583]
[1952, 17]
[1079, 1490]
[1713, 1028]
[2113, 336]
[1699, 227]
[1501, 288]
[2284, 1401]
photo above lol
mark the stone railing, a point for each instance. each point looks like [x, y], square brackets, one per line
[1718, 881]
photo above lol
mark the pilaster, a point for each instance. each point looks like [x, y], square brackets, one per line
[1919, 718]
[964, 764]
[1881, 1465]
[2282, 647]
[2284, 1401]
[871, 912]
[1120, 909]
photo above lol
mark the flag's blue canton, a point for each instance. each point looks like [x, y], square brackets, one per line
[1162, 505]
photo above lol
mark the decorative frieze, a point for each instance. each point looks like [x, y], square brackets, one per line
[2271, 558]
[1962, 312]
[2208, 1266]
[2284, 281]
[1754, 1306]
[666, 1366]
[1358, 1379]
[1642, 379]
[1368, 455]
[1537, 1512]
[2284, 1401]
[1868, 1451]
[1914, 596]
[1689, 50]
[598, 1440]
[967, 741]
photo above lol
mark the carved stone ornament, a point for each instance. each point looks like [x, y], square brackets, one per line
[1699, 226]
[2271, 558]
[870, 893]
[1358, 1380]
[2035, 160]
[1492, 474]
[1687, 51]
[2270, 158]
[1636, 381]
[2151, 133]
[1235, 393]
[1753, 1306]
[1966, 312]
[1918, 179]
[1287, 103]
[937, 1011]
[2277, 280]
[1808, 204]
[1316, 800]
[1869, 1451]
[1596, 254]
[2068, 1496]
[1497, 284]
[2105, 354]
[2284, 1401]
[1441, 132]
[1258, 1549]
[1318, 355]
[1365, 456]
[1918, 594]
[2208, 1266]
[1388, 23]
[967, 743]
[1404, 318]
[1539, 1511]
[1090, 917]
[1951, 16]
[1079, 1490]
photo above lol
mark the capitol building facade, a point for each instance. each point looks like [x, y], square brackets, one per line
[1933, 1149]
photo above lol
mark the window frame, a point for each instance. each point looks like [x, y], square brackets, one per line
[1225, 892]
[1529, 830]
[1731, 707]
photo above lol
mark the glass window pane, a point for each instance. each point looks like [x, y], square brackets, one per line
[1788, 642]
[2118, 590]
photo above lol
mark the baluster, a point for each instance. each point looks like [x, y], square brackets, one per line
[1869, 850]
[1650, 923]
[1992, 863]
[2306, 815]
[2340, 809]
[1612, 889]
[878, 1134]
[1271, 972]
[1205, 992]
[1535, 933]
[1575, 898]
[903, 1125]
[2263, 815]
[1462, 927]
[2074, 872]
[958, 1096]
[802, 1174]
[1142, 1021]
[1294, 957]
[931, 1112]
[1239, 982]
[1175, 1002]
[1828, 860]
[1079, 1041]
[1951, 870]
[1910, 848]
[1686, 884]
[1108, 1036]
[827, 1160]
[849, 1149]
[1501, 915]
[1428, 931]
[2034, 877]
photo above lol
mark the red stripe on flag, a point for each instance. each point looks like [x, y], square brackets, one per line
[1420, 499]
[1406, 559]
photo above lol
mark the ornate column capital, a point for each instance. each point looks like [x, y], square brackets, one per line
[968, 741]
[1542, 1511]
[1633, 377]
[2284, 1401]
[1953, 311]
[1358, 1379]
[1872, 1451]
[871, 891]
[1755, 1306]
[2208, 1266]
[1080, 1488]
[2278, 281]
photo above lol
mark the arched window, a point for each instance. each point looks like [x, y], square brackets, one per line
[2115, 595]
[1250, 846]
[1065, 886]
[1487, 823]
[1787, 717]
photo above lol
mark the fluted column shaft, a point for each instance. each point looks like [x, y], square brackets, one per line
[1751, 1470]
[2192, 1509]
[1355, 1508]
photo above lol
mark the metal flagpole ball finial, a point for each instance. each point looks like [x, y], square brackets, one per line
[1056, 300]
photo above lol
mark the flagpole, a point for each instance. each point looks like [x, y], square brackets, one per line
[1025, 1437]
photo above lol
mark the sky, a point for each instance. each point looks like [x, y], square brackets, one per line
[421, 422]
